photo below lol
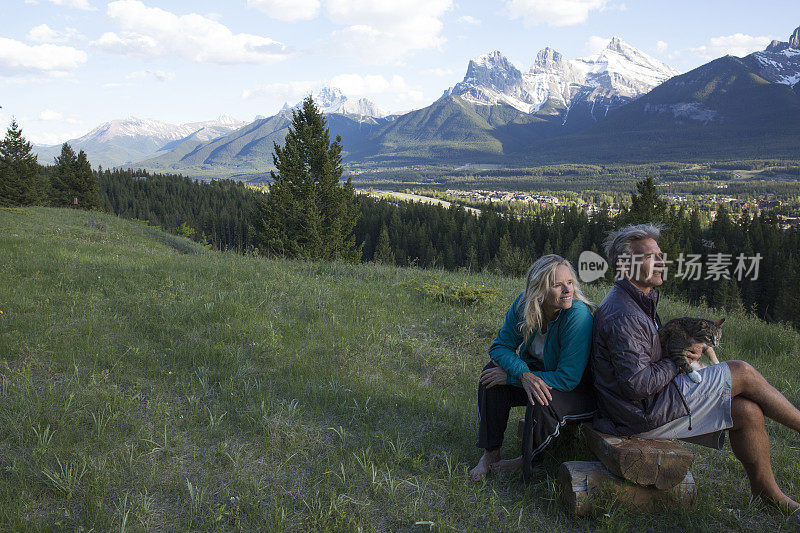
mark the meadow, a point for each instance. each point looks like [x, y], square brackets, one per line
[150, 384]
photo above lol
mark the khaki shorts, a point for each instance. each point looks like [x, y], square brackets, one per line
[709, 409]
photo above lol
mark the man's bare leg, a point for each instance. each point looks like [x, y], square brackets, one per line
[750, 445]
[748, 382]
[484, 465]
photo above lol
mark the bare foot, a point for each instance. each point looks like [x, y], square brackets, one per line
[507, 465]
[785, 504]
[484, 465]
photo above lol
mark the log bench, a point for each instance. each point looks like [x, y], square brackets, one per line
[637, 471]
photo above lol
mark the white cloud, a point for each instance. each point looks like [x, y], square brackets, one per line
[738, 44]
[369, 84]
[288, 10]
[159, 75]
[45, 34]
[438, 71]
[50, 59]
[385, 31]
[661, 46]
[50, 137]
[468, 19]
[596, 44]
[77, 4]
[552, 12]
[352, 85]
[288, 91]
[49, 114]
[155, 32]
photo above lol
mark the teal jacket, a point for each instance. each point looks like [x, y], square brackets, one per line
[566, 346]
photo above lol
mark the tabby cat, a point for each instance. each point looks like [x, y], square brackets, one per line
[679, 334]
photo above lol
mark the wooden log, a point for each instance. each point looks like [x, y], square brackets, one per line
[582, 481]
[658, 462]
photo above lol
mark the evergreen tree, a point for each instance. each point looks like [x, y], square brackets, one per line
[72, 183]
[510, 260]
[383, 250]
[647, 206]
[20, 182]
[307, 214]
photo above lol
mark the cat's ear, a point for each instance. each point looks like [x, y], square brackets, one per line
[719, 322]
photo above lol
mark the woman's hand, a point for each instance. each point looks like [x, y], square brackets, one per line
[537, 390]
[493, 376]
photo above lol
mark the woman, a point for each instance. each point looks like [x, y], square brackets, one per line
[538, 360]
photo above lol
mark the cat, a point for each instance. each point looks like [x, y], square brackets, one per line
[679, 334]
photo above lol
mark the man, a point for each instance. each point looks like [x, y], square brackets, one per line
[640, 393]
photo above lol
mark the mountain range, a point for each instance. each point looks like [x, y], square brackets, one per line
[619, 105]
[132, 139]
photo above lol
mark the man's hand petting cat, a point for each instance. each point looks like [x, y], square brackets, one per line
[695, 352]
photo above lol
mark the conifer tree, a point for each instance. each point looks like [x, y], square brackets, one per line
[20, 182]
[73, 181]
[383, 250]
[306, 214]
[647, 206]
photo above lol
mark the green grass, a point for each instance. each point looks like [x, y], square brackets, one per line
[150, 384]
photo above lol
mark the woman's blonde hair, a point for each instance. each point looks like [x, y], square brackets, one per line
[540, 277]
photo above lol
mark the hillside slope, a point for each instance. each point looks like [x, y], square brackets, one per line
[155, 385]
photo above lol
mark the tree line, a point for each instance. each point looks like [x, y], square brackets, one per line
[69, 182]
[230, 216]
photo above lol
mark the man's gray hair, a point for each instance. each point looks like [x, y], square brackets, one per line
[618, 243]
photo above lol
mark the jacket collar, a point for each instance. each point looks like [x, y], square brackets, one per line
[647, 302]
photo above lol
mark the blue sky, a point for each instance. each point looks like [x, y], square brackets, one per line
[68, 65]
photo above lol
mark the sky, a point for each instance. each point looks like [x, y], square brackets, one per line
[66, 66]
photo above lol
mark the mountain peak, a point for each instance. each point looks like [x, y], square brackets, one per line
[777, 46]
[617, 73]
[794, 40]
[492, 70]
[617, 44]
[331, 99]
[548, 57]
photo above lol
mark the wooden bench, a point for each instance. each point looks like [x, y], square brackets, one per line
[637, 471]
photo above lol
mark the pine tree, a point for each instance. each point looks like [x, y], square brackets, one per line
[510, 260]
[306, 214]
[20, 182]
[647, 206]
[72, 183]
[383, 250]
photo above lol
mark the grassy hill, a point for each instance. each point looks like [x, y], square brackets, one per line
[148, 384]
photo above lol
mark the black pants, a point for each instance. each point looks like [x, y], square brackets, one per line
[542, 423]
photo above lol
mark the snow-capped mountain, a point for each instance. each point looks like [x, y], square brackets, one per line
[131, 139]
[156, 130]
[332, 100]
[780, 62]
[618, 74]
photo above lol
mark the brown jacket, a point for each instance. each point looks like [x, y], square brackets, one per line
[633, 384]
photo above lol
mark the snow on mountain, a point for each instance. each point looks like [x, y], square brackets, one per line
[780, 62]
[492, 79]
[132, 139]
[620, 72]
[158, 130]
[332, 100]
[211, 129]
